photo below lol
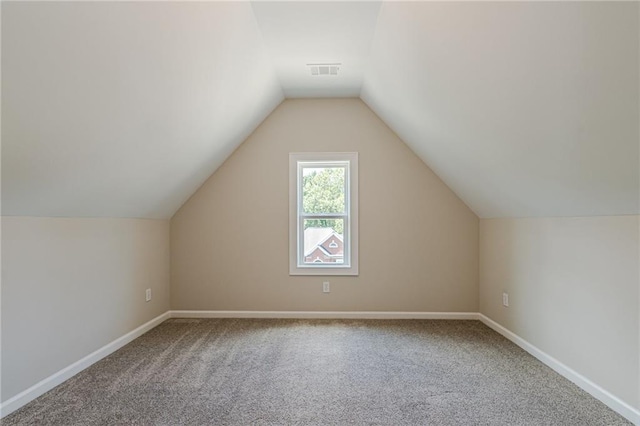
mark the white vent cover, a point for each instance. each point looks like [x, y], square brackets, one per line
[324, 69]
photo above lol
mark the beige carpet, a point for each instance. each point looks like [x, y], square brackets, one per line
[317, 372]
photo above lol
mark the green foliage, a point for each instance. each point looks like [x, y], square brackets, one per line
[323, 192]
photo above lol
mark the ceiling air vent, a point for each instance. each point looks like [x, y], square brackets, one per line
[324, 69]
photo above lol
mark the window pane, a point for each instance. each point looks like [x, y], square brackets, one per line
[323, 189]
[323, 241]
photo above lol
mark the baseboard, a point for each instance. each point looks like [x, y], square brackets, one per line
[326, 315]
[613, 402]
[66, 373]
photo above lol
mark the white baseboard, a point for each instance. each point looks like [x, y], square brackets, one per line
[612, 401]
[66, 373]
[326, 315]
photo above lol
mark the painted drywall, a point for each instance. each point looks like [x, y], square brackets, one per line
[70, 286]
[418, 240]
[573, 292]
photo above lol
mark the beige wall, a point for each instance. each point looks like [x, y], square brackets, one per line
[418, 241]
[70, 286]
[573, 292]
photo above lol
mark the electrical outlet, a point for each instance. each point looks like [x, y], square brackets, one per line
[147, 294]
[505, 299]
[326, 287]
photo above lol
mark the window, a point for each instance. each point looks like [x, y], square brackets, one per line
[323, 213]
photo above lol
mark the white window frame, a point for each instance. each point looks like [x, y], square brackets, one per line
[297, 161]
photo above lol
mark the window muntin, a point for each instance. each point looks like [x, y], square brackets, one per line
[323, 214]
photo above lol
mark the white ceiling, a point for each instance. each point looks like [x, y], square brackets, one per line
[297, 34]
[523, 109]
[124, 109]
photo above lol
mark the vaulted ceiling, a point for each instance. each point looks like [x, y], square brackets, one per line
[123, 109]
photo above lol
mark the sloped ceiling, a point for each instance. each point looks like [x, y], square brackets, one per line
[123, 109]
[522, 108]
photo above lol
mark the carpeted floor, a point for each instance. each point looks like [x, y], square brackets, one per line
[317, 372]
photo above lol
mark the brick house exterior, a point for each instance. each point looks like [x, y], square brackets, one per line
[323, 245]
